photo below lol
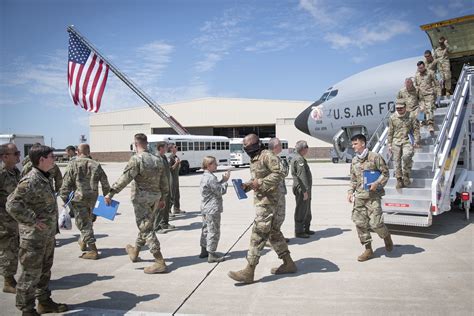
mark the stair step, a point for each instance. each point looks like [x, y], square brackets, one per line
[416, 182]
[392, 191]
[423, 156]
[407, 220]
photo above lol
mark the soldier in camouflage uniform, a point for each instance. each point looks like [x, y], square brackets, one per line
[409, 95]
[432, 65]
[425, 82]
[274, 145]
[441, 54]
[401, 125]
[9, 238]
[175, 164]
[148, 187]
[367, 209]
[302, 185]
[211, 208]
[162, 224]
[55, 174]
[266, 175]
[33, 205]
[82, 177]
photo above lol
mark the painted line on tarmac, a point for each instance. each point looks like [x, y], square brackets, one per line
[210, 271]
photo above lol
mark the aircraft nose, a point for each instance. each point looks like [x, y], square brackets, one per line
[301, 121]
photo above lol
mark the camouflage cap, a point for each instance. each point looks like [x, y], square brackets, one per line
[400, 104]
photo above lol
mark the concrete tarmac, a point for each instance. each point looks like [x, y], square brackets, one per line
[429, 272]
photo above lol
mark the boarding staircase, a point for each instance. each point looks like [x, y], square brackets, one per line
[443, 157]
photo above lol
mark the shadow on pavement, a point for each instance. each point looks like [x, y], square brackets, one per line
[319, 234]
[77, 280]
[398, 251]
[305, 266]
[65, 241]
[111, 252]
[445, 224]
[191, 226]
[188, 214]
[117, 302]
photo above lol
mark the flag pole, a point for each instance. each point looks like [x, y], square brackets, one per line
[145, 97]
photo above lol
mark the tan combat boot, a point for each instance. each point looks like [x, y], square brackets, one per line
[406, 180]
[158, 267]
[92, 254]
[49, 306]
[367, 254]
[82, 245]
[288, 266]
[213, 257]
[132, 252]
[399, 183]
[9, 285]
[388, 243]
[245, 276]
[30, 313]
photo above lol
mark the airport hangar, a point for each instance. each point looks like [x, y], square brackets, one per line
[111, 133]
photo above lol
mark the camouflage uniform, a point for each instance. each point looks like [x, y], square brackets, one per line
[410, 97]
[281, 207]
[367, 211]
[399, 128]
[163, 215]
[266, 168]
[82, 176]
[149, 184]
[444, 65]
[34, 200]
[433, 67]
[54, 174]
[9, 238]
[211, 208]
[174, 183]
[302, 182]
[426, 83]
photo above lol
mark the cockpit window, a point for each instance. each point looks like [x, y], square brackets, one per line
[332, 94]
[324, 96]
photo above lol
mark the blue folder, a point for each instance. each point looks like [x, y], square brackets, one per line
[104, 210]
[370, 176]
[238, 189]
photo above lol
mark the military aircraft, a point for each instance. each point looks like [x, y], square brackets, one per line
[360, 102]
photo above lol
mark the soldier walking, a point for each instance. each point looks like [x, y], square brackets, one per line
[367, 209]
[426, 83]
[33, 205]
[432, 65]
[401, 126]
[82, 177]
[409, 95]
[9, 238]
[266, 175]
[148, 187]
[162, 220]
[302, 186]
[441, 54]
[274, 145]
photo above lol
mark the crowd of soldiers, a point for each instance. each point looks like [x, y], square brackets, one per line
[29, 212]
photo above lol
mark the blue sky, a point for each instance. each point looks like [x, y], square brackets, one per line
[184, 49]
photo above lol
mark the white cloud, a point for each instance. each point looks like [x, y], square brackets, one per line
[318, 11]
[208, 63]
[271, 45]
[368, 35]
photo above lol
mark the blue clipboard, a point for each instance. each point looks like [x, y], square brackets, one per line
[106, 211]
[370, 176]
[237, 183]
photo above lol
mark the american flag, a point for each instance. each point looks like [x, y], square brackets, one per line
[87, 75]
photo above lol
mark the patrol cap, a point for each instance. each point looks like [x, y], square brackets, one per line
[400, 104]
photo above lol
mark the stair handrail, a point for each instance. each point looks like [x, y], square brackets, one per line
[452, 110]
[378, 137]
[440, 181]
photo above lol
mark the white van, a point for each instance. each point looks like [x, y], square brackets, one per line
[239, 158]
[23, 143]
